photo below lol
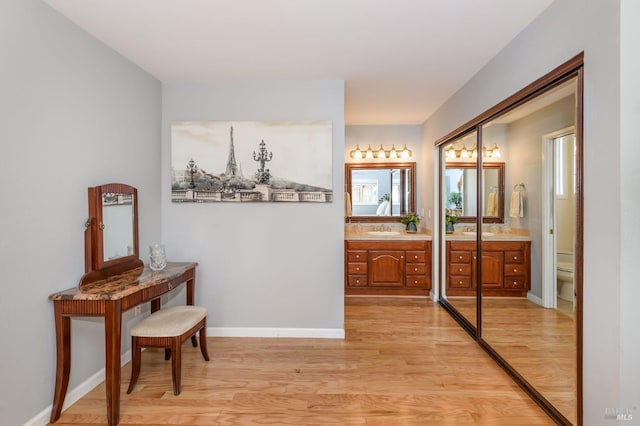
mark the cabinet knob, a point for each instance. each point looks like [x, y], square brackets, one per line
[460, 270]
[515, 270]
[415, 257]
[515, 257]
[474, 258]
[357, 256]
[415, 269]
[459, 282]
[460, 257]
[415, 282]
[401, 257]
[357, 281]
[515, 282]
[357, 269]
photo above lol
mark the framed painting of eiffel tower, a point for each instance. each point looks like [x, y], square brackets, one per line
[251, 161]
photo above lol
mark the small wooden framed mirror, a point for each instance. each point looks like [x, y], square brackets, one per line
[111, 234]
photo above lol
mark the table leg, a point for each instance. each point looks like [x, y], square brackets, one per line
[113, 345]
[63, 359]
[191, 284]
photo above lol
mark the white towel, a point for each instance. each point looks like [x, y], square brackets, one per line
[347, 205]
[516, 207]
[382, 209]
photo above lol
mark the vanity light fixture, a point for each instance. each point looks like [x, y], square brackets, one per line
[370, 154]
[452, 152]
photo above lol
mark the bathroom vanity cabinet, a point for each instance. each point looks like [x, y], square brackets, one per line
[388, 267]
[506, 268]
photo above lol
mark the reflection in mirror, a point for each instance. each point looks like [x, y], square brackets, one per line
[459, 186]
[380, 192]
[460, 191]
[117, 218]
[111, 234]
[536, 332]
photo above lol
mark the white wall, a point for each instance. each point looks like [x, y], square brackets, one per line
[630, 210]
[265, 268]
[562, 31]
[74, 114]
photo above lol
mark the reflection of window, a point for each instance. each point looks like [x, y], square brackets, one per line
[560, 180]
[364, 192]
[395, 193]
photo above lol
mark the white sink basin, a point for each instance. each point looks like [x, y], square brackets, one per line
[383, 232]
[484, 234]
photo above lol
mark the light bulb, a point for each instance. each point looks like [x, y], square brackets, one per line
[369, 153]
[495, 151]
[393, 153]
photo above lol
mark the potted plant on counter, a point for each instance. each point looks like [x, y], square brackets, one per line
[411, 219]
[449, 221]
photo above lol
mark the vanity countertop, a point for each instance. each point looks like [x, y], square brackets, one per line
[394, 234]
[512, 235]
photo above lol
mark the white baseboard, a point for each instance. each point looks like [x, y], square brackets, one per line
[42, 418]
[535, 299]
[308, 333]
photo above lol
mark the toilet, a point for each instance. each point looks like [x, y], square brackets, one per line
[564, 269]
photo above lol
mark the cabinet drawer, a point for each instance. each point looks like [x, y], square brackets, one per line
[460, 257]
[357, 268]
[459, 282]
[517, 282]
[357, 256]
[415, 268]
[157, 290]
[514, 256]
[357, 281]
[415, 257]
[460, 269]
[416, 281]
[513, 270]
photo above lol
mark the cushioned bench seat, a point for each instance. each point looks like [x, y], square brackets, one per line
[168, 328]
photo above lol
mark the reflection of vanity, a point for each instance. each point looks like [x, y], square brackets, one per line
[506, 268]
[395, 265]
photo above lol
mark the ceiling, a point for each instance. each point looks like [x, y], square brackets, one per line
[400, 59]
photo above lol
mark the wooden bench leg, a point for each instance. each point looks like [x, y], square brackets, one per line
[203, 342]
[135, 363]
[176, 364]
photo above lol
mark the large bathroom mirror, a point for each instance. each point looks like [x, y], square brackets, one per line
[111, 234]
[460, 191]
[379, 192]
[522, 276]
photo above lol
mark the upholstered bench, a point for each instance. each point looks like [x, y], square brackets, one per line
[168, 328]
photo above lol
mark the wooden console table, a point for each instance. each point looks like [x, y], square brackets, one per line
[109, 298]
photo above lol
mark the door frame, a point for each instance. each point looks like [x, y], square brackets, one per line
[549, 271]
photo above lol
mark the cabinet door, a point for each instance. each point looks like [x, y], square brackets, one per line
[386, 268]
[492, 267]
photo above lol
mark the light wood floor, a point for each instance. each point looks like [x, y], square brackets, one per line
[539, 343]
[403, 361]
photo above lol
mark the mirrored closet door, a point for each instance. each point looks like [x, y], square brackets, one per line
[518, 235]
